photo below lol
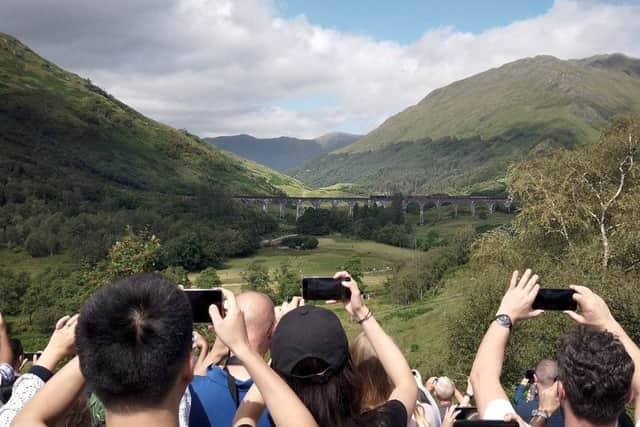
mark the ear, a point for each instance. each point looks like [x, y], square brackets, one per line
[535, 378]
[562, 394]
[631, 397]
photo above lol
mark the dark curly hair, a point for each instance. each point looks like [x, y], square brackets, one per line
[596, 372]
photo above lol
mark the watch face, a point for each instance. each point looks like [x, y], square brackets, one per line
[504, 320]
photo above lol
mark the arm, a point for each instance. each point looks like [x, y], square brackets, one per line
[6, 355]
[595, 312]
[487, 367]
[468, 395]
[458, 395]
[390, 356]
[285, 407]
[54, 398]
[250, 409]
[201, 364]
[518, 396]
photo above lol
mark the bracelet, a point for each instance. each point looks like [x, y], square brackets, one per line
[365, 318]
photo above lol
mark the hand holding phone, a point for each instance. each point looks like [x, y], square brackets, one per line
[529, 375]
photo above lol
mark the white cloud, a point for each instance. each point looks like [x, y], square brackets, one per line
[223, 66]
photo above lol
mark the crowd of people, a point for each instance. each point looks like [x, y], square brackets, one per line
[132, 358]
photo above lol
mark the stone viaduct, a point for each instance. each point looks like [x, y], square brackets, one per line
[379, 200]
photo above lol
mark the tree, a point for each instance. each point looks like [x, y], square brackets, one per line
[208, 279]
[257, 279]
[13, 286]
[178, 275]
[288, 281]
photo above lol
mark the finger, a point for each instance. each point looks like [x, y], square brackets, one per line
[532, 292]
[73, 321]
[455, 414]
[302, 302]
[62, 321]
[583, 290]
[575, 316]
[214, 313]
[514, 279]
[536, 313]
[230, 299]
[533, 280]
[525, 278]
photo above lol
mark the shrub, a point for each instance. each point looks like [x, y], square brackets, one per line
[208, 279]
[301, 242]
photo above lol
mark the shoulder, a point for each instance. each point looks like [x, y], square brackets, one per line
[7, 374]
[216, 378]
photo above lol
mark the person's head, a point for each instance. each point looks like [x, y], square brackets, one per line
[259, 319]
[546, 373]
[376, 384]
[444, 389]
[595, 373]
[133, 340]
[18, 353]
[310, 351]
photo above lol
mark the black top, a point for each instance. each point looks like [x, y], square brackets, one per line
[391, 414]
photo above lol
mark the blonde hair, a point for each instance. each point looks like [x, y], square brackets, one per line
[376, 384]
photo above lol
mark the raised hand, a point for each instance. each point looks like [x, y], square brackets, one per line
[286, 307]
[518, 300]
[450, 416]
[355, 307]
[231, 329]
[593, 310]
[61, 344]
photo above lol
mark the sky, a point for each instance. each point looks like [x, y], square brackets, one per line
[299, 67]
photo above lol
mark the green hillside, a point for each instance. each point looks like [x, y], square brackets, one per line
[77, 167]
[64, 126]
[463, 136]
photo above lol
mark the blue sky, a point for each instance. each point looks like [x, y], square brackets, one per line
[405, 21]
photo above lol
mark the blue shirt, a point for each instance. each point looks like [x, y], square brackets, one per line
[211, 401]
[525, 408]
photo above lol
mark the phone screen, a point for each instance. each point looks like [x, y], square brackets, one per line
[555, 299]
[30, 355]
[200, 300]
[324, 289]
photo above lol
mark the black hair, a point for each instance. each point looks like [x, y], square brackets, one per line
[333, 403]
[16, 349]
[133, 339]
[596, 372]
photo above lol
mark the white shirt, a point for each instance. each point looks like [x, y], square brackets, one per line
[23, 390]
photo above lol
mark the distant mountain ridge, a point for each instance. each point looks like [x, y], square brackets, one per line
[282, 153]
[62, 126]
[463, 136]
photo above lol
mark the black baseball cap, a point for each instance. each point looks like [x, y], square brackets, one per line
[309, 332]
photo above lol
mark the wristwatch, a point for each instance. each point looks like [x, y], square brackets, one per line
[504, 320]
[540, 413]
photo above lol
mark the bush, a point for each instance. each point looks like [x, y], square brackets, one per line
[208, 279]
[178, 275]
[301, 242]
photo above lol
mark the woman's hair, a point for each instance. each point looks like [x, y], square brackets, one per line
[376, 384]
[332, 403]
[78, 415]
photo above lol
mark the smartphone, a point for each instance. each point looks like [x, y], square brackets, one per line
[200, 300]
[466, 412]
[324, 288]
[484, 423]
[555, 299]
[529, 375]
[30, 355]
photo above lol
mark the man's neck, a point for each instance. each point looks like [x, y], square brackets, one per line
[160, 417]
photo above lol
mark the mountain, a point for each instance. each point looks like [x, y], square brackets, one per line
[462, 137]
[282, 153]
[63, 127]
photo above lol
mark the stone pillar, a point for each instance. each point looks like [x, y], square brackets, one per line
[334, 203]
[421, 204]
[316, 204]
[455, 210]
[507, 205]
[473, 207]
[491, 206]
[265, 205]
[351, 205]
[281, 206]
[298, 209]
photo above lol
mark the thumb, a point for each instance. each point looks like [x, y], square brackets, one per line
[214, 313]
[575, 316]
